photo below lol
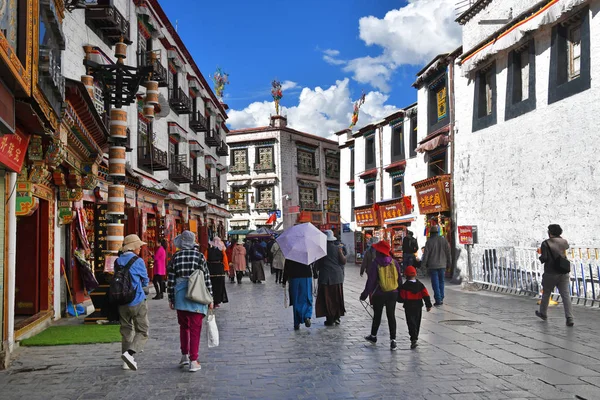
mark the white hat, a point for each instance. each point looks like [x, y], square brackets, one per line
[132, 242]
[330, 237]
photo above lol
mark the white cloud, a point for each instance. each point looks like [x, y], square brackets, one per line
[285, 85]
[319, 111]
[331, 52]
[413, 35]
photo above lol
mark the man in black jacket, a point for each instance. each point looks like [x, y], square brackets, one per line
[409, 247]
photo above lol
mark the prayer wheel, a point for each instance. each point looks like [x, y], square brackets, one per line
[114, 238]
[116, 200]
[118, 123]
[120, 50]
[116, 161]
[88, 82]
[149, 111]
[151, 92]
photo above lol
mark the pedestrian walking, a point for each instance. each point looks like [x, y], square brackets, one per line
[133, 317]
[383, 281]
[330, 294]
[412, 294]
[278, 262]
[436, 259]
[238, 258]
[257, 256]
[229, 253]
[160, 270]
[299, 277]
[218, 266]
[189, 313]
[552, 252]
[410, 246]
[369, 255]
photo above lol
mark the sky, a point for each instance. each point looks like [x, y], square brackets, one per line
[326, 53]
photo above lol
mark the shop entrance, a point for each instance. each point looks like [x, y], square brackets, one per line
[31, 277]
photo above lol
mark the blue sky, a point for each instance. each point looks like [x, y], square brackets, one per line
[328, 50]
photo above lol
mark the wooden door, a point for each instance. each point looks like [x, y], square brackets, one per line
[27, 271]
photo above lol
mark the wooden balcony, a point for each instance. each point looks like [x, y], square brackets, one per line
[199, 184]
[307, 170]
[212, 138]
[152, 158]
[104, 17]
[198, 122]
[264, 168]
[152, 58]
[179, 172]
[214, 190]
[179, 102]
[310, 206]
[223, 149]
[223, 198]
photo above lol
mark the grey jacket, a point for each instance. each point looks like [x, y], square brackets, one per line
[330, 267]
[368, 258]
[437, 253]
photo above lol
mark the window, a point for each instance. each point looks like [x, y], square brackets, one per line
[264, 159]
[306, 162]
[570, 57]
[370, 152]
[352, 205]
[437, 103]
[173, 151]
[436, 163]
[520, 88]
[144, 135]
[50, 78]
[332, 165]
[333, 201]
[370, 194]
[308, 198]
[194, 166]
[264, 198]
[398, 142]
[413, 137]
[574, 42]
[484, 105]
[351, 163]
[239, 161]
[239, 199]
[397, 187]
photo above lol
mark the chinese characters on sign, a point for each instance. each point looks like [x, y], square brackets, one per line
[13, 149]
[433, 194]
[465, 234]
[392, 209]
[366, 216]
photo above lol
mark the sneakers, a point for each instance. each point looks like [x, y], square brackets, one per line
[129, 360]
[438, 303]
[413, 344]
[542, 316]
[570, 322]
[307, 322]
[336, 321]
[125, 366]
[185, 360]
[393, 345]
[371, 339]
[195, 366]
[296, 327]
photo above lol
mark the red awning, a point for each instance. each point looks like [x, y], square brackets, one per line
[368, 173]
[396, 166]
[434, 140]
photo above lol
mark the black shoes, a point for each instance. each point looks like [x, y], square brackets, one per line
[393, 345]
[542, 316]
[413, 344]
[328, 323]
[570, 322]
[438, 303]
[158, 297]
[296, 327]
[371, 339]
[336, 321]
[307, 322]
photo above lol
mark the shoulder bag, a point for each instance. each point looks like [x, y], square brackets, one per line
[197, 290]
[560, 264]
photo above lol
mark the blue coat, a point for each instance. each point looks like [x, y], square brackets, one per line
[139, 276]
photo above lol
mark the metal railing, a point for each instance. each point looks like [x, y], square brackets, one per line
[463, 5]
[518, 270]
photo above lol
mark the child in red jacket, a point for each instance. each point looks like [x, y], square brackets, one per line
[412, 294]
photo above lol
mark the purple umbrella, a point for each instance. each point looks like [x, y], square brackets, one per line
[303, 243]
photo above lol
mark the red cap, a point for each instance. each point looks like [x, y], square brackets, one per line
[383, 247]
[410, 271]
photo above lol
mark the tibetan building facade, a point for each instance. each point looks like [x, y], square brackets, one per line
[55, 147]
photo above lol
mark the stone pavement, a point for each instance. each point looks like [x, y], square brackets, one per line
[506, 353]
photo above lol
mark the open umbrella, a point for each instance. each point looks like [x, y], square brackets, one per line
[303, 243]
[260, 233]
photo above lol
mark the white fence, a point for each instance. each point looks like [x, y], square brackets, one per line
[518, 270]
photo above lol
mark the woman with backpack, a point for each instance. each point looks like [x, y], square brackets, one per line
[218, 265]
[382, 285]
[189, 313]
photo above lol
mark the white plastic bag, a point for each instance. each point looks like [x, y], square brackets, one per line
[213, 331]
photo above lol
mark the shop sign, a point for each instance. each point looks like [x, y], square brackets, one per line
[346, 228]
[433, 195]
[7, 110]
[293, 210]
[13, 149]
[465, 234]
[333, 218]
[393, 209]
[316, 218]
[277, 212]
[366, 217]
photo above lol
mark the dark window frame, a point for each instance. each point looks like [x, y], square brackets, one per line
[352, 201]
[559, 85]
[396, 195]
[481, 119]
[433, 123]
[368, 188]
[515, 105]
[412, 152]
[433, 161]
[398, 152]
[373, 152]
[312, 153]
[352, 163]
[257, 154]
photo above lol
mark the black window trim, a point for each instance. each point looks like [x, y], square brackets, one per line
[517, 108]
[433, 123]
[402, 154]
[559, 86]
[367, 164]
[491, 119]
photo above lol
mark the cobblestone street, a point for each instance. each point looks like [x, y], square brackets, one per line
[506, 353]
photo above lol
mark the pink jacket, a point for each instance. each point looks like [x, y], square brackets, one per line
[239, 257]
[160, 261]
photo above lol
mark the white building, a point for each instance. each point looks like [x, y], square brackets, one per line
[278, 169]
[526, 108]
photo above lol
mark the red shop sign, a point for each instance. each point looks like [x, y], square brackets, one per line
[13, 148]
[366, 217]
[465, 234]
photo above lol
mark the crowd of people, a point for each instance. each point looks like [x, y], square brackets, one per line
[384, 286]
